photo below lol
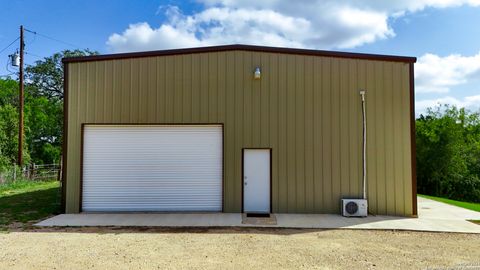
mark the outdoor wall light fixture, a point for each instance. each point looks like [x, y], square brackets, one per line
[257, 74]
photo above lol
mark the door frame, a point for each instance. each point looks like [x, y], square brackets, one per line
[243, 169]
[82, 131]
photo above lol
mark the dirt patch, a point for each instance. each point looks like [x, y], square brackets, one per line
[160, 248]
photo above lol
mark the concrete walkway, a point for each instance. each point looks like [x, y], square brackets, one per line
[433, 216]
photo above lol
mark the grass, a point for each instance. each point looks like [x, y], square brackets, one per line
[27, 201]
[467, 205]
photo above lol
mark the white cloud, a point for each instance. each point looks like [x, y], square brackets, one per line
[213, 26]
[320, 24]
[141, 37]
[470, 102]
[390, 6]
[435, 74]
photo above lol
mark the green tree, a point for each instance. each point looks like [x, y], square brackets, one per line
[9, 123]
[43, 128]
[44, 113]
[8, 92]
[8, 135]
[448, 153]
[46, 76]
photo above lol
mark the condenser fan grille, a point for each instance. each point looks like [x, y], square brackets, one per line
[351, 208]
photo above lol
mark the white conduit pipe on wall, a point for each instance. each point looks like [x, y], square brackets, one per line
[364, 148]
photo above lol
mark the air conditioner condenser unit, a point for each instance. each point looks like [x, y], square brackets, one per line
[354, 208]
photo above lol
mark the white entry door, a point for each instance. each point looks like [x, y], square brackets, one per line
[256, 180]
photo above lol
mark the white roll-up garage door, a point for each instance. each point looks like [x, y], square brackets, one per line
[152, 168]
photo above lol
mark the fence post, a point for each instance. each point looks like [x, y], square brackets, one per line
[32, 171]
[14, 172]
[60, 165]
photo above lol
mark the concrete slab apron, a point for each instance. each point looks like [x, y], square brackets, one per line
[433, 216]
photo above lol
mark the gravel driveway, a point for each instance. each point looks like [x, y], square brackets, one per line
[124, 248]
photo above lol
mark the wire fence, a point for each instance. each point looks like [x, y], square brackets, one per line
[33, 172]
[43, 172]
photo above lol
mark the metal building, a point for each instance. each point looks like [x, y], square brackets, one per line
[238, 128]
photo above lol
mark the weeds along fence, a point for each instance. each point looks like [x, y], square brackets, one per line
[33, 172]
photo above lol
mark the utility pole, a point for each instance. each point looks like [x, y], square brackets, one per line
[20, 102]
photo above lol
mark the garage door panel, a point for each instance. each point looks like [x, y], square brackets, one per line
[152, 168]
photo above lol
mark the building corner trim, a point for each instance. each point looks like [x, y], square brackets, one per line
[412, 141]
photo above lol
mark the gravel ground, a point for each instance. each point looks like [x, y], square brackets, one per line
[124, 248]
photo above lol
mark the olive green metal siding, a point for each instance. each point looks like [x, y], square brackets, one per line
[306, 108]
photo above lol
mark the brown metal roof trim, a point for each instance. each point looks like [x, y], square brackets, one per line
[221, 48]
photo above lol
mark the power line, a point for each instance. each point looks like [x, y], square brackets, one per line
[34, 55]
[32, 40]
[51, 38]
[9, 45]
[42, 57]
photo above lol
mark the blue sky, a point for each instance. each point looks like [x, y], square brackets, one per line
[443, 34]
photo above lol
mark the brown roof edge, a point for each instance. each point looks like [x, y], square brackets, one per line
[378, 57]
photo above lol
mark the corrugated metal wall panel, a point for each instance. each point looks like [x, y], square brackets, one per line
[152, 168]
[306, 108]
